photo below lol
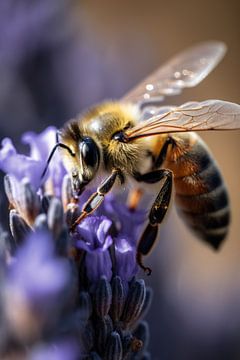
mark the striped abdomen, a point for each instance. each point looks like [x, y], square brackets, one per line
[201, 195]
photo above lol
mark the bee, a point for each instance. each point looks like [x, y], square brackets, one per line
[139, 140]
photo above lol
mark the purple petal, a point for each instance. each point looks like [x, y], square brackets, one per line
[92, 233]
[41, 146]
[84, 245]
[20, 166]
[126, 266]
[127, 222]
[98, 264]
[107, 243]
[102, 230]
[86, 231]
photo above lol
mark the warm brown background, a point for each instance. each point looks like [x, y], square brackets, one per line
[200, 289]
[107, 47]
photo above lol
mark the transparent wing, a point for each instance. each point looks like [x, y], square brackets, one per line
[187, 69]
[152, 111]
[191, 116]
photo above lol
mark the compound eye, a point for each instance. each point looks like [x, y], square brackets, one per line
[89, 152]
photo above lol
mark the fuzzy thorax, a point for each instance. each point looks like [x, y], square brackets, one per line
[101, 123]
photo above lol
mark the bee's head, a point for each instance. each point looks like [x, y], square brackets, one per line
[80, 155]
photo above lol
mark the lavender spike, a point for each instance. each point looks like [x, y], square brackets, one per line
[114, 347]
[102, 297]
[134, 302]
[18, 226]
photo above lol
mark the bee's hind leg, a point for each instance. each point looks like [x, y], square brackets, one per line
[156, 214]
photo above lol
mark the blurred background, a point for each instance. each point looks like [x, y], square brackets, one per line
[58, 57]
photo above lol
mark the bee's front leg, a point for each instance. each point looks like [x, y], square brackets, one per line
[97, 198]
[157, 212]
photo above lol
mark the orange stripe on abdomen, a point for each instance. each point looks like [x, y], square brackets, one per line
[201, 195]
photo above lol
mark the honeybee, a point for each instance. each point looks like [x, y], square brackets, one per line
[138, 139]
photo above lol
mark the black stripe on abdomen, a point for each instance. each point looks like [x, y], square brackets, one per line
[211, 227]
[207, 214]
[201, 195]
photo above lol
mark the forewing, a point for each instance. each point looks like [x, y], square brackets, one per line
[191, 116]
[187, 69]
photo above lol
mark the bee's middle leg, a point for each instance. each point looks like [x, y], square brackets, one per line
[157, 212]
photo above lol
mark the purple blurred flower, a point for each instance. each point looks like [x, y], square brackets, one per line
[40, 144]
[66, 350]
[40, 148]
[27, 26]
[18, 165]
[92, 235]
[37, 275]
[21, 166]
[35, 286]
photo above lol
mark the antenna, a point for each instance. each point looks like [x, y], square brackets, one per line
[52, 153]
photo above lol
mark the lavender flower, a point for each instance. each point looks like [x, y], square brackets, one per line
[36, 260]
[78, 289]
[121, 214]
[20, 166]
[126, 266]
[40, 148]
[34, 282]
[92, 236]
[31, 167]
[57, 351]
